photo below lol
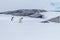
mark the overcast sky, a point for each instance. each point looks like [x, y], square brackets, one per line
[6, 5]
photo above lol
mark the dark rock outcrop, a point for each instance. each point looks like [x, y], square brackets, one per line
[35, 13]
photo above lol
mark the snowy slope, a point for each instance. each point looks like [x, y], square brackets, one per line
[50, 15]
[29, 29]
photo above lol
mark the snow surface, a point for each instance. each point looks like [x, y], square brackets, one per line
[49, 15]
[29, 29]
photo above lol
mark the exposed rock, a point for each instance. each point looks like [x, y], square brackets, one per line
[45, 22]
[56, 19]
[26, 12]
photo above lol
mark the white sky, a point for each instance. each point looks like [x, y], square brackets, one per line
[6, 5]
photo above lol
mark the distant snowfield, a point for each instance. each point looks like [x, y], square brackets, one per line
[29, 29]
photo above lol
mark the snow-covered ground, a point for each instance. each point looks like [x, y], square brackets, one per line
[50, 15]
[29, 29]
